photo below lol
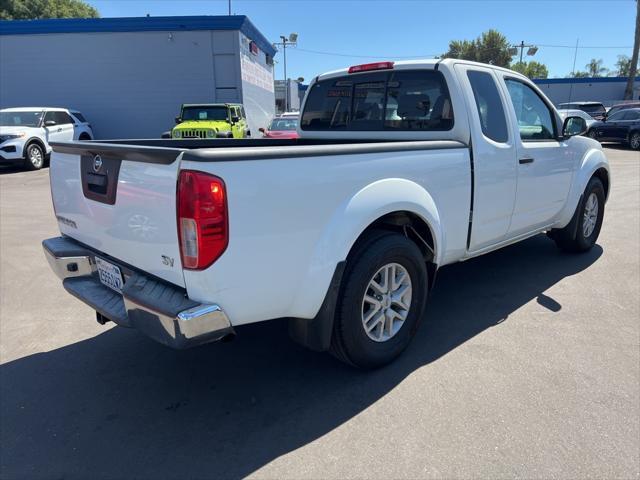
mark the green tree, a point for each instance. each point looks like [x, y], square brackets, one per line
[595, 68]
[34, 9]
[578, 74]
[531, 69]
[490, 47]
[623, 65]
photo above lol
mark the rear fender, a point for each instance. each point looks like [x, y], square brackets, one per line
[347, 224]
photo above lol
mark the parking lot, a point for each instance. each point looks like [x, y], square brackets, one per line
[527, 365]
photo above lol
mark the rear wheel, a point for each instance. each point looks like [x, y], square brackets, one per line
[583, 230]
[634, 141]
[34, 157]
[381, 301]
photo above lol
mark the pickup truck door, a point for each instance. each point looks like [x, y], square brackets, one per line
[494, 156]
[545, 164]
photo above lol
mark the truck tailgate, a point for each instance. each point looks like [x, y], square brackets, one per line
[120, 201]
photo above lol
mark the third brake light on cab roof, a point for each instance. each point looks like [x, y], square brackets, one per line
[366, 67]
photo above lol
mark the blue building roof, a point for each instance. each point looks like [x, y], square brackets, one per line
[583, 80]
[138, 24]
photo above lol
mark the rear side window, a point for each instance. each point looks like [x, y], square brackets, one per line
[402, 101]
[632, 115]
[80, 117]
[489, 105]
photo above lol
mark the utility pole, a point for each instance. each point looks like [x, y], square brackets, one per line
[286, 79]
[229, 7]
[292, 40]
[628, 91]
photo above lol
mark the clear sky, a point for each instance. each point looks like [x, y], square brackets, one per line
[352, 31]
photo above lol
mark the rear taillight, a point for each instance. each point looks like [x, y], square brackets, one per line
[366, 67]
[203, 223]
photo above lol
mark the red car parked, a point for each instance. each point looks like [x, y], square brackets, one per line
[281, 127]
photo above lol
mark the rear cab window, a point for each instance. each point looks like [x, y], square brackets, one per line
[404, 100]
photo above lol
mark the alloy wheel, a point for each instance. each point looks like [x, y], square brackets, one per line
[386, 302]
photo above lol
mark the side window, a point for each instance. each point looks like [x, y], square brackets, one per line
[633, 115]
[489, 105]
[242, 114]
[619, 115]
[50, 117]
[62, 118]
[534, 117]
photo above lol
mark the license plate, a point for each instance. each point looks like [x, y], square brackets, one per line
[110, 275]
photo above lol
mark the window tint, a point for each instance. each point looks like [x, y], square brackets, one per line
[534, 117]
[80, 117]
[62, 118]
[405, 100]
[50, 117]
[619, 115]
[244, 115]
[489, 105]
[631, 115]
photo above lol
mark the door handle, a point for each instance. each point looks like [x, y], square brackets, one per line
[59, 130]
[522, 161]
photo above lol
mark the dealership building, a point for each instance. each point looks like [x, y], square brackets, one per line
[607, 90]
[129, 76]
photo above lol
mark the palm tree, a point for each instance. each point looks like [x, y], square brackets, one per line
[628, 91]
[595, 68]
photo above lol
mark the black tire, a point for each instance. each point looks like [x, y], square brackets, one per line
[576, 237]
[34, 156]
[350, 342]
[634, 141]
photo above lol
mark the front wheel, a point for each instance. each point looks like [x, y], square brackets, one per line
[634, 141]
[381, 301]
[34, 157]
[583, 230]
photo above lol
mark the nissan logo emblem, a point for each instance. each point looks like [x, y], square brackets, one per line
[97, 163]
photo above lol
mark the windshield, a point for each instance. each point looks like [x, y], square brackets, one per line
[20, 119]
[593, 108]
[204, 113]
[284, 124]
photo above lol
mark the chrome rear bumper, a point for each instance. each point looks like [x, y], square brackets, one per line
[158, 309]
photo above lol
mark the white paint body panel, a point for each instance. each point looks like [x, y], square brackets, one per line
[292, 220]
[138, 229]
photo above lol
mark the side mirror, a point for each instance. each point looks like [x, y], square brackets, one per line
[261, 130]
[574, 126]
[178, 120]
[235, 119]
[166, 134]
[49, 123]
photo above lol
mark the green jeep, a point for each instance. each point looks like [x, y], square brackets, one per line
[211, 120]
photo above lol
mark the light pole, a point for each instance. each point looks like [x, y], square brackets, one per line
[292, 40]
[532, 49]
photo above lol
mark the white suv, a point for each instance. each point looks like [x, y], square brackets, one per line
[25, 133]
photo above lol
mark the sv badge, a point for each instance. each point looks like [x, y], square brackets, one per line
[168, 261]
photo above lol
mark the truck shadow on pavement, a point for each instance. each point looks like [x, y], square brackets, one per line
[120, 406]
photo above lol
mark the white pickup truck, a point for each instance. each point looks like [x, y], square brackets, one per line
[400, 169]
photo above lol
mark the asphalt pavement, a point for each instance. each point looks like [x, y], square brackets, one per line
[527, 365]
